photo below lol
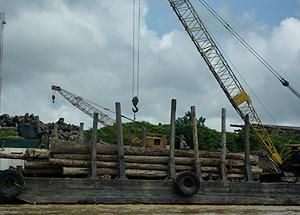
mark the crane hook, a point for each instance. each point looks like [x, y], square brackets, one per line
[53, 98]
[135, 102]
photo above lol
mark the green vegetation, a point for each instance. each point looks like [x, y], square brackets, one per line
[209, 139]
[9, 135]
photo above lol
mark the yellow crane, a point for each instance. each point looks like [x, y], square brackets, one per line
[223, 73]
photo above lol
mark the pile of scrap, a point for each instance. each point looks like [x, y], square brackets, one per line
[68, 132]
[70, 159]
[30, 127]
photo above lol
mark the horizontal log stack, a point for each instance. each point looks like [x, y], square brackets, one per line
[145, 162]
[73, 159]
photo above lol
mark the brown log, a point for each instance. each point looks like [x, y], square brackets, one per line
[37, 153]
[43, 172]
[10, 155]
[101, 164]
[38, 165]
[237, 176]
[153, 159]
[59, 147]
[254, 170]
[73, 171]
[141, 166]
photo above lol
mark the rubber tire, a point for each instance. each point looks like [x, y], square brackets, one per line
[187, 183]
[11, 183]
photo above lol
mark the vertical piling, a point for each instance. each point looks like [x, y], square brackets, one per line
[121, 157]
[247, 150]
[144, 137]
[81, 128]
[172, 172]
[93, 147]
[223, 146]
[195, 142]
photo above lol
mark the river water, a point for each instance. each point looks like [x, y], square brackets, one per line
[145, 209]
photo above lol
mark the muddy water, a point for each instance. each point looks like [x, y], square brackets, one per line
[144, 209]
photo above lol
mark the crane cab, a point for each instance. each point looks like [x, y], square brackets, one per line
[155, 142]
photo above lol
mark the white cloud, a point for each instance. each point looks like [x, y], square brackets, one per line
[86, 48]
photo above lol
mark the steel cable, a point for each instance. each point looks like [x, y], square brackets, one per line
[249, 48]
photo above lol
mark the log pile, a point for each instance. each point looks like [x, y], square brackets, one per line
[37, 164]
[69, 159]
[144, 162]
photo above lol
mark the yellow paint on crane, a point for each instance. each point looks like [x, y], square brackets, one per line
[241, 98]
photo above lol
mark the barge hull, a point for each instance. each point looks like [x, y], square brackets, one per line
[91, 191]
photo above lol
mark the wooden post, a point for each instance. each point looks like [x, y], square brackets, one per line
[195, 142]
[172, 172]
[121, 157]
[144, 137]
[81, 138]
[223, 146]
[247, 150]
[93, 147]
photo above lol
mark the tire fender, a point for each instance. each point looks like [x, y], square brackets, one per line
[11, 183]
[187, 183]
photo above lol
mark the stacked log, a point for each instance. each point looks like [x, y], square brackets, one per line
[144, 162]
[37, 163]
[73, 159]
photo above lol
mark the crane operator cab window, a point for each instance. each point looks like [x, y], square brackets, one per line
[155, 142]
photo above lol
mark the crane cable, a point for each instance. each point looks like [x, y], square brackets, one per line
[284, 82]
[256, 96]
[136, 56]
[95, 104]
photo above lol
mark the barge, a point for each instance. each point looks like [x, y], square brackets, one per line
[74, 183]
[79, 172]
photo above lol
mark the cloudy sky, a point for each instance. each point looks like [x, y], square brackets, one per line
[86, 48]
